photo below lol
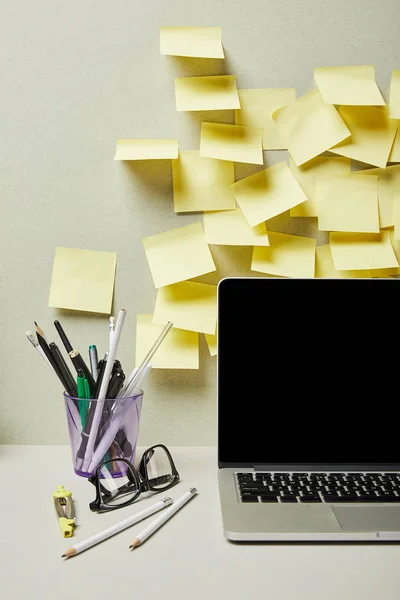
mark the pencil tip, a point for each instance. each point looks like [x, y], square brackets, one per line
[63, 555]
[131, 546]
[35, 323]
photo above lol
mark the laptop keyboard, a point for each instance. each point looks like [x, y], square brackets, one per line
[318, 487]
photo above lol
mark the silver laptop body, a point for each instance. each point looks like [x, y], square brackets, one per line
[308, 444]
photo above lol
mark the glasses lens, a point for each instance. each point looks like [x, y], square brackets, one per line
[118, 483]
[159, 469]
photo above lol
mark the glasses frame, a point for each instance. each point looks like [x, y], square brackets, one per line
[138, 476]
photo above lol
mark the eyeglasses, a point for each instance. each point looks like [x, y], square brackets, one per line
[118, 483]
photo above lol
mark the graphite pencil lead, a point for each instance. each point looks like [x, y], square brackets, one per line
[63, 555]
[39, 330]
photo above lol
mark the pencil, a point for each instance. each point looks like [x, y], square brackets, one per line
[159, 521]
[37, 347]
[106, 533]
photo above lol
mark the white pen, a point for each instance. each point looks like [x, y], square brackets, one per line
[167, 514]
[37, 346]
[103, 391]
[106, 533]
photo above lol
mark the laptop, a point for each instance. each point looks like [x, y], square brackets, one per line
[308, 409]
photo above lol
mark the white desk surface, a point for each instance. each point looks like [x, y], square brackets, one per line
[187, 558]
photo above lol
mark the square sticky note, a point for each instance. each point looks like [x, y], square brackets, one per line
[268, 193]
[178, 255]
[83, 280]
[217, 92]
[372, 135]
[396, 216]
[189, 305]
[178, 350]
[287, 256]
[231, 142]
[394, 102]
[212, 343]
[256, 109]
[394, 156]
[354, 86]
[309, 127]
[359, 251]
[325, 267]
[202, 184]
[307, 174]
[348, 203]
[230, 228]
[201, 42]
[146, 149]
[388, 184]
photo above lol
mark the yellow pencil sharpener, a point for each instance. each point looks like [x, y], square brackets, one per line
[65, 510]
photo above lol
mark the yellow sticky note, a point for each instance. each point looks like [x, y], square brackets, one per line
[352, 86]
[306, 176]
[268, 193]
[217, 92]
[189, 305]
[202, 184]
[325, 267]
[146, 149]
[348, 203]
[359, 251]
[394, 103]
[230, 228]
[201, 42]
[231, 142]
[256, 109]
[83, 280]
[287, 256]
[388, 184]
[396, 216]
[395, 244]
[395, 152]
[372, 135]
[309, 127]
[212, 343]
[178, 255]
[178, 350]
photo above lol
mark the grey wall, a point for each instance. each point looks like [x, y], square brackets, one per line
[77, 75]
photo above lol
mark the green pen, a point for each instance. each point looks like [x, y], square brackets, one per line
[83, 395]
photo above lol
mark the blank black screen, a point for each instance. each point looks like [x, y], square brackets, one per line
[307, 371]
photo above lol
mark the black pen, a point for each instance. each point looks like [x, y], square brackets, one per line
[70, 384]
[116, 383]
[76, 357]
[103, 364]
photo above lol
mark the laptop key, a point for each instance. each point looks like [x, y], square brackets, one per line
[310, 498]
[288, 498]
[269, 499]
[250, 499]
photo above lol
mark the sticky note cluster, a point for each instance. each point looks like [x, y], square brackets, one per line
[340, 143]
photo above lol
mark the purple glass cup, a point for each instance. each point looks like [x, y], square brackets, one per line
[117, 432]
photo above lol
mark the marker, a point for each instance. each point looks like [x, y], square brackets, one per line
[94, 361]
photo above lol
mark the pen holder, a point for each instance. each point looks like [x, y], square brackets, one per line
[116, 435]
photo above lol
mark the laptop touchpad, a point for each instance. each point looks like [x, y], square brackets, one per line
[368, 518]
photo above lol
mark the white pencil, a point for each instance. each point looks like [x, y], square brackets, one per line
[156, 524]
[137, 372]
[103, 390]
[106, 533]
[37, 346]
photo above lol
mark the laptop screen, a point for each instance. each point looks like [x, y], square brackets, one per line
[307, 372]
